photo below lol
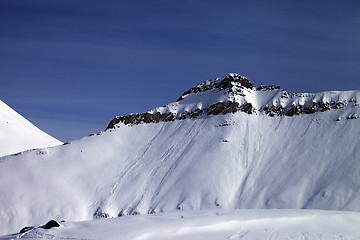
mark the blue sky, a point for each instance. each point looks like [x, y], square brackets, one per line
[71, 66]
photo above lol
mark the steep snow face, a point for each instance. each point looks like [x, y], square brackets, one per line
[18, 134]
[234, 93]
[210, 161]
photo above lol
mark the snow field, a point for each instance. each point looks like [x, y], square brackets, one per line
[215, 224]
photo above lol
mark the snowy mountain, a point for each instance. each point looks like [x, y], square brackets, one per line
[223, 145]
[234, 93]
[18, 134]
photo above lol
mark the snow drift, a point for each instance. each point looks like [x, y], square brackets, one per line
[209, 225]
[17, 134]
[223, 145]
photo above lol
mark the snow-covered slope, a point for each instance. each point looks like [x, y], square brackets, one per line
[18, 134]
[208, 225]
[223, 145]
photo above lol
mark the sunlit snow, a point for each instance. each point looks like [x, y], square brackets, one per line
[191, 174]
[17, 134]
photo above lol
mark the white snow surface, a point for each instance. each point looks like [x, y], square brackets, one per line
[210, 224]
[17, 134]
[222, 162]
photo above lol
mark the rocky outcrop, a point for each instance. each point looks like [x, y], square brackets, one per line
[248, 108]
[294, 110]
[26, 229]
[223, 108]
[51, 224]
[273, 110]
[226, 82]
[267, 88]
[215, 109]
[191, 115]
[134, 119]
[300, 109]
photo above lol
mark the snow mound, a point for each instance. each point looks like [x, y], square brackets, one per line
[18, 134]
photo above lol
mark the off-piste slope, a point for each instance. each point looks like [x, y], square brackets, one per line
[18, 134]
[236, 224]
[223, 145]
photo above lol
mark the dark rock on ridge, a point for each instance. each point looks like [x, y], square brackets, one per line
[273, 110]
[191, 115]
[236, 86]
[223, 108]
[294, 110]
[100, 214]
[215, 109]
[299, 109]
[51, 224]
[135, 119]
[248, 108]
[267, 88]
[48, 225]
[26, 229]
[226, 82]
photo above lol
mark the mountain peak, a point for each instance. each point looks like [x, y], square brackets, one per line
[18, 134]
[230, 81]
[232, 93]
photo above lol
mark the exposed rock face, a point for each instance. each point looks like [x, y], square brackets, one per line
[26, 229]
[51, 224]
[215, 109]
[142, 118]
[191, 115]
[227, 82]
[267, 88]
[239, 96]
[223, 108]
[294, 110]
[99, 214]
[273, 110]
[248, 108]
[300, 109]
